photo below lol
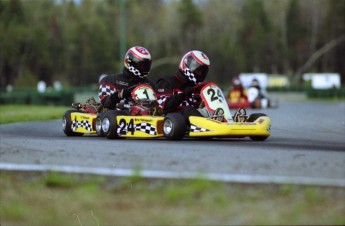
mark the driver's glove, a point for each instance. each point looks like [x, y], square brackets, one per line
[187, 92]
[124, 94]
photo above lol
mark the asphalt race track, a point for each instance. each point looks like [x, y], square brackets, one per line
[307, 146]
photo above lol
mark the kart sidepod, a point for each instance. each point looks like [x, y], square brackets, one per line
[258, 129]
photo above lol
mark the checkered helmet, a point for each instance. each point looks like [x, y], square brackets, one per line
[195, 65]
[138, 61]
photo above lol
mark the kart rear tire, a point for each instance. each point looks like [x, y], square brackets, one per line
[98, 126]
[67, 124]
[174, 126]
[252, 118]
[109, 124]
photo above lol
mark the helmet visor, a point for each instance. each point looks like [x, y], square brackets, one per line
[144, 66]
[193, 64]
[201, 73]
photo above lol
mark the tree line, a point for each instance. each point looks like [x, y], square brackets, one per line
[76, 41]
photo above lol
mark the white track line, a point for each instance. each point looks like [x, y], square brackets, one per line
[239, 178]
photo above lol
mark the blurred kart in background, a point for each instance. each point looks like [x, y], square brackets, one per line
[252, 97]
[257, 100]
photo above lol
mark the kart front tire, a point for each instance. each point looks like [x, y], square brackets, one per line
[252, 118]
[174, 126]
[255, 116]
[109, 124]
[67, 124]
[258, 138]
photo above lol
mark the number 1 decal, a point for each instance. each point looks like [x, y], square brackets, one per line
[146, 94]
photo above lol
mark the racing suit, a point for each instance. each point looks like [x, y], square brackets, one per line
[111, 86]
[175, 94]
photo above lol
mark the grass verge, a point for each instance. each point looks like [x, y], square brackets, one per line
[25, 113]
[61, 199]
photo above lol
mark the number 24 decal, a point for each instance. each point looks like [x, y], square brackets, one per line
[214, 95]
[124, 127]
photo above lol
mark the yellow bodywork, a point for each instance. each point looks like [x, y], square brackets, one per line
[127, 126]
[140, 126]
[83, 122]
[208, 127]
[152, 126]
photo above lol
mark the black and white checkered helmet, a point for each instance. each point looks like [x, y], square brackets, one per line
[138, 61]
[195, 65]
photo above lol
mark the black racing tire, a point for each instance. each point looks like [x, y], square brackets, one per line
[174, 126]
[255, 116]
[252, 118]
[258, 138]
[98, 124]
[109, 124]
[67, 124]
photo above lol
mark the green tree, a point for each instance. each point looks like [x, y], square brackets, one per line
[14, 35]
[218, 38]
[255, 37]
[75, 42]
[191, 22]
[296, 36]
[334, 27]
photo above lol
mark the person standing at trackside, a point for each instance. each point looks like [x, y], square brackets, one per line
[175, 93]
[114, 88]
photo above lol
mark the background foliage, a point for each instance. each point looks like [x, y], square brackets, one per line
[75, 41]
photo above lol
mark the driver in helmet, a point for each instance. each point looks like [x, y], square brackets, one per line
[175, 93]
[237, 96]
[114, 88]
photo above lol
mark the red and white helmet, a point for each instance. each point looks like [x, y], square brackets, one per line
[195, 65]
[138, 61]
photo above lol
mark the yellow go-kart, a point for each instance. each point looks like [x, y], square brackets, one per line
[140, 118]
[143, 119]
[217, 121]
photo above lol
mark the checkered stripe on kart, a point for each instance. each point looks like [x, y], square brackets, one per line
[196, 129]
[146, 128]
[84, 124]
